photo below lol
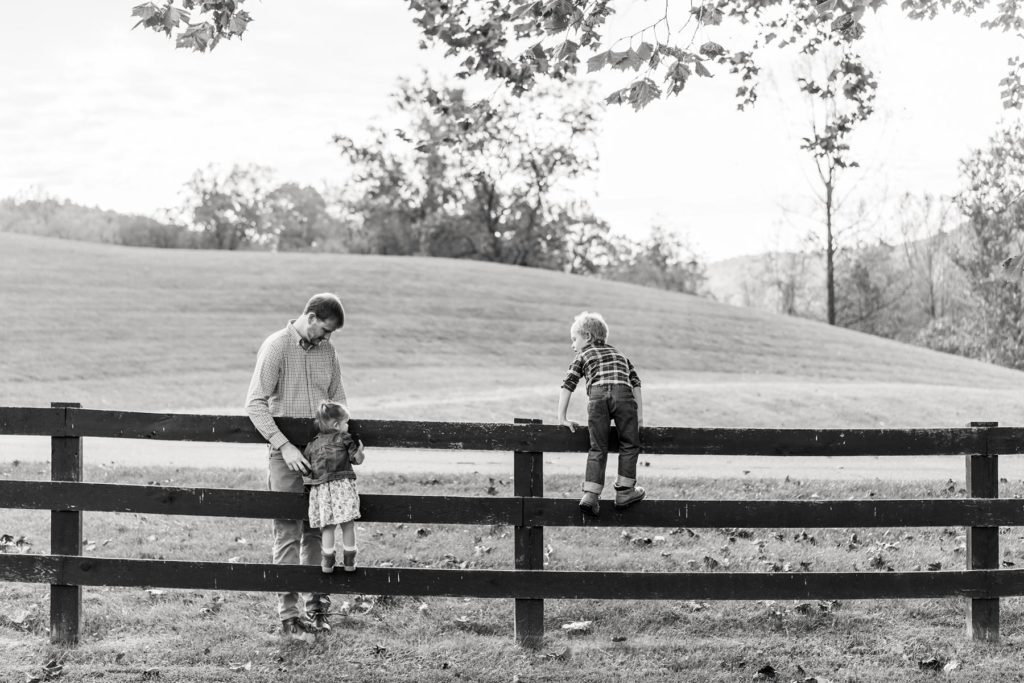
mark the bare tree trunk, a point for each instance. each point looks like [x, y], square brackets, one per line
[830, 250]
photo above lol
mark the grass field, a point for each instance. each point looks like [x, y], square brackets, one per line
[156, 330]
[183, 635]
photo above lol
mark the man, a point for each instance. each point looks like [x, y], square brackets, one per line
[296, 368]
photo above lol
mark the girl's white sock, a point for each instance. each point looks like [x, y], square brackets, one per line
[345, 547]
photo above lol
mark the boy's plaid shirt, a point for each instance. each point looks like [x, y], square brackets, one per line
[600, 364]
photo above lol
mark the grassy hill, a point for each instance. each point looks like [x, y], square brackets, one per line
[147, 329]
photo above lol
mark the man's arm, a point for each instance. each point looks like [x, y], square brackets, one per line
[336, 390]
[257, 406]
[261, 388]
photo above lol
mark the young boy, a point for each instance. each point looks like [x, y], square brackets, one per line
[614, 391]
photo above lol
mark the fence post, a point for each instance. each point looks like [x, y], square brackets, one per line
[528, 480]
[65, 536]
[983, 542]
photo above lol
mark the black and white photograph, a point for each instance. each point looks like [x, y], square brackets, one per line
[524, 341]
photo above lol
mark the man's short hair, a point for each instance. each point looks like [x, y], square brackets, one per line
[592, 325]
[326, 306]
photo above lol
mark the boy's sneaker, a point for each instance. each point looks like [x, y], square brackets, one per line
[327, 562]
[294, 629]
[348, 558]
[589, 504]
[627, 496]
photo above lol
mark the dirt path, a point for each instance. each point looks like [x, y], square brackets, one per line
[124, 452]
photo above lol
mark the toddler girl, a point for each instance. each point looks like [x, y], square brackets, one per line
[333, 499]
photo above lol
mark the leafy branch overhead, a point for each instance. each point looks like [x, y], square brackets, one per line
[519, 41]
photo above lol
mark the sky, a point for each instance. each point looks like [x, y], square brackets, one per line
[105, 116]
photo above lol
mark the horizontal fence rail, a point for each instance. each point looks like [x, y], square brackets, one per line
[519, 511]
[81, 422]
[982, 582]
[490, 583]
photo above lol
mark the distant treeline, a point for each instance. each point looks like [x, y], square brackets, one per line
[298, 219]
[65, 220]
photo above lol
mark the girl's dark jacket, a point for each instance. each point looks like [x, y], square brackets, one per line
[331, 456]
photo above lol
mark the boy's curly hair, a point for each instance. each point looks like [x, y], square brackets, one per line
[590, 324]
[329, 414]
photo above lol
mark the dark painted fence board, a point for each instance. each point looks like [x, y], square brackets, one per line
[840, 514]
[528, 480]
[484, 583]
[522, 437]
[983, 541]
[65, 535]
[32, 421]
[528, 511]
[208, 502]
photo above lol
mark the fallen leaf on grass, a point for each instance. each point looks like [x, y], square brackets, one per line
[934, 566]
[618, 639]
[575, 628]
[765, 673]
[241, 541]
[423, 608]
[155, 592]
[235, 560]
[695, 606]
[642, 541]
[423, 532]
[241, 667]
[23, 620]
[561, 656]
[930, 664]
[951, 665]
[379, 651]
[151, 673]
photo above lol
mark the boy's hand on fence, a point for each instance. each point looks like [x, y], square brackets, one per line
[572, 425]
[294, 459]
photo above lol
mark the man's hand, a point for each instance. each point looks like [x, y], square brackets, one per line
[572, 425]
[294, 458]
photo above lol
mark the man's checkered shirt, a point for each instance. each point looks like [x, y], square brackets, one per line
[291, 378]
[600, 364]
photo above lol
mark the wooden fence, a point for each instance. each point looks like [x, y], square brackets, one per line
[67, 570]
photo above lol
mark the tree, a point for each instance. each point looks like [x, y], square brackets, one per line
[872, 290]
[925, 224]
[520, 41]
[664, 260]
[840, 98]
[991, 326]
[470, 180]
[228, 208]
[297, 218]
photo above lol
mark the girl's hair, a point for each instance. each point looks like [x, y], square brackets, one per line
[590, 324]
[329, 414]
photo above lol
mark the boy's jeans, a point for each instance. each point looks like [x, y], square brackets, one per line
[610, 402]
[293, 538]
